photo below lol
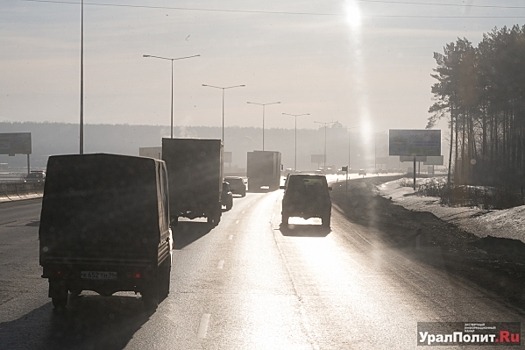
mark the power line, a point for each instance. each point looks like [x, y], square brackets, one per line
[441, 4]
[304, 13]
[188, 8]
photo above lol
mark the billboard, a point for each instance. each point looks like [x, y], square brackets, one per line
[411, 158]
[434, 160]
[15, 143]
[317, 158]
[412, 142]
[227, 157]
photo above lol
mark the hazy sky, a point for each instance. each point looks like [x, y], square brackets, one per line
[354, 61]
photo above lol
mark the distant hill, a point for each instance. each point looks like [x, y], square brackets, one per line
[61, 138]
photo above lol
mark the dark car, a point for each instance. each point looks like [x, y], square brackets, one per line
[307, 196]
[236, 184]
[226, 196]
[35, 177]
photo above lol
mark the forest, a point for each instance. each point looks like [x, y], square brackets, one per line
[481, 93]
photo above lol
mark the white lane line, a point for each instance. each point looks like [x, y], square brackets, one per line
[203, 326]
[220, 265]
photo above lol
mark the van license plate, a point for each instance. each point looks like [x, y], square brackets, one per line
[98, 275]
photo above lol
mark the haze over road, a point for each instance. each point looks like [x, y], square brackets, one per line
[246, 284]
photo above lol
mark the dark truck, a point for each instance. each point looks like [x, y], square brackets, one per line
[263, 169]
[104, 226]
[195, 178]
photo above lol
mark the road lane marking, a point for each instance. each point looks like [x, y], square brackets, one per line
[220, 265]
[203, 326]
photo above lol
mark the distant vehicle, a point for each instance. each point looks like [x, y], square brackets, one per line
[109, 232]
[306, 196]
[263, 169]
[226, 196]
[195, 178]
[237, 185]
[35, 177]
[362, 172]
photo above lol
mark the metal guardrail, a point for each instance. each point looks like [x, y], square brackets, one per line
[6, 177]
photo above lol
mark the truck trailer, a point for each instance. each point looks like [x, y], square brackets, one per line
[195, 175]
[104, 226]
[263, 169]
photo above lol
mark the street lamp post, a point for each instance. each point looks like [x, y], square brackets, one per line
[263, 106]
[81, 150]
[223, 88]
[325, 125]
[170, 59]
[350, 142]
[295, 136]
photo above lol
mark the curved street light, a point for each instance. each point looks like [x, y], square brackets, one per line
[263, 106]
[223, 88]
[170, 59]
[325, 124]
[295, 135]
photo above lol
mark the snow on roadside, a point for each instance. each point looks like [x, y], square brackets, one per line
[508, 223]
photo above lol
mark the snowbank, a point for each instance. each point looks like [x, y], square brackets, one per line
[508, 223]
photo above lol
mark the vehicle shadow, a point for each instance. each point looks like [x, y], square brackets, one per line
[304, 230]
[187, 232]
[89, 322]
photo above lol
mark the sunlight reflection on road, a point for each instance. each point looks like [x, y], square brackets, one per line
[344, 288]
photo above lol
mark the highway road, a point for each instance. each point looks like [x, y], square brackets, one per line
[245, 284]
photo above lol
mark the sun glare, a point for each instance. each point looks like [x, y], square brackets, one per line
[353, 14]
[366, 130]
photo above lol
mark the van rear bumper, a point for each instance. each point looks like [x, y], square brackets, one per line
[103, 279]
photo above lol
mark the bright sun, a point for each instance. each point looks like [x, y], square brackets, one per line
[353, 14]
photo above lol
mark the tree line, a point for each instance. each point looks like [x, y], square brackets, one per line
[481, 92]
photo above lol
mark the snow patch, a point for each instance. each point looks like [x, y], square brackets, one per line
[507, 223]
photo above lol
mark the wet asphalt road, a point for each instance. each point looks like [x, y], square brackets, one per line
[245, 284]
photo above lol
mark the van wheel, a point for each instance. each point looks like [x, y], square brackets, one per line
[59, 303]
[164, 279]
[326, 221]
[214, 217]
[75, 292]
[150, 296]
[284, 220]
[58, 293]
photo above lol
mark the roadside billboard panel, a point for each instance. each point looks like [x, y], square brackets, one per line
[411, 142]
[411, 158]
[15, 143]
[227, 157]
[434, 160]
[317, 158]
